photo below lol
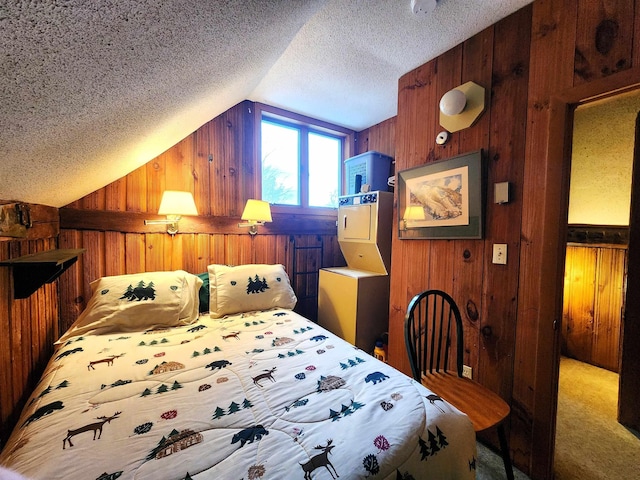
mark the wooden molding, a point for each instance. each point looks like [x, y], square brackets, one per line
[598, 234]
[133, 222]
[44, 223]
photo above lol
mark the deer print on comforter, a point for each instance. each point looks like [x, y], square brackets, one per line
[228, 398]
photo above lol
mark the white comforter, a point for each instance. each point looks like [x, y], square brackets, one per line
[267, 395]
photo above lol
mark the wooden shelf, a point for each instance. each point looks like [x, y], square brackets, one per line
[32, 271]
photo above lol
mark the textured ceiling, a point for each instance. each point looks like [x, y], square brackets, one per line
[89, 91]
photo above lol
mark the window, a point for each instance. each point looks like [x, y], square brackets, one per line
[301, 162]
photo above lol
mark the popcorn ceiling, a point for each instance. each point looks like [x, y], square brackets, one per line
[89, 91]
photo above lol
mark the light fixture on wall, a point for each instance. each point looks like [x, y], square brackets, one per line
[174, 204]
[256, 212]
[411, 214]
[461, 106]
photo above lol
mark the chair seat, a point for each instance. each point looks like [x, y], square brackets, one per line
[484, 407]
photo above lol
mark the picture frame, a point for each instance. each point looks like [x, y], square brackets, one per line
[443, 199]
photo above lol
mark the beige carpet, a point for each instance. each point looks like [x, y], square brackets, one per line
[590, 443]
[491, 467]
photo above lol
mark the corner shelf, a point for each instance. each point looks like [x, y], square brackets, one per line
[32, 271]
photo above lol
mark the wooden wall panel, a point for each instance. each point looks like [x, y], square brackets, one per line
[71, 284]
[534, 390]
[505, 153]
[201, 171]
[7, 405]
[604, 39]
[409, 258]
[155, 254]
[202, 253]
[380, 137]
[146, 184]
[523, 62]
[114, 253]
[579, 302]
[28, 328]
[116, 195]
[180, 166]
[609, 308]
[216, 249]
[593, 304]
[476, 64]
[137, 187]
[521, 303]
[216, 164]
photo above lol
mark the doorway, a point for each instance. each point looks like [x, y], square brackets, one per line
[595, 275]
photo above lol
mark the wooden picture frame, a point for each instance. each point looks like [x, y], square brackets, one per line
[443, 200]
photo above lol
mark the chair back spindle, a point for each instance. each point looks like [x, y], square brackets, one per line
[432, 324]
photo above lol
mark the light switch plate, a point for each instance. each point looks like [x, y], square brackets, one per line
[500, 253]
[501, 192]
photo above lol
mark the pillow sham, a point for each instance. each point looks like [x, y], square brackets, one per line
[138, 302]
[247, 288]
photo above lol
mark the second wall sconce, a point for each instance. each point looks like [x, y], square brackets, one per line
[461, 106]
[174, 204]
[412, 214]
[256, 212]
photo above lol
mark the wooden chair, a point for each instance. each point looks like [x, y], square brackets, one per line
[432, 324]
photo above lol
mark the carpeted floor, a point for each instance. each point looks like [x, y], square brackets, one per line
[490, 466]
[590, 443]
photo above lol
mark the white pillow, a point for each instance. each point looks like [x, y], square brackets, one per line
[138, 302]
[247, 288]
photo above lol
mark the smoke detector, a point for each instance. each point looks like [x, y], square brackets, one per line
[423, 7]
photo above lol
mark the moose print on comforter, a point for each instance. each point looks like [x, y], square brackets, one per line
[262, 395]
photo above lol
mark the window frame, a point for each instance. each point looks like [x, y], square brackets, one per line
[306, 125]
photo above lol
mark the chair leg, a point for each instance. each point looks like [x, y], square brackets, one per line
[504, 448]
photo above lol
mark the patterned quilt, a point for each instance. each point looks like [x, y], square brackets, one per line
[264, 395]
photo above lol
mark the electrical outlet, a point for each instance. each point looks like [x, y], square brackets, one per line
[500, 253]
[467, 371]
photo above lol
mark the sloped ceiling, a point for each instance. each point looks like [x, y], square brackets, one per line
[89, 91]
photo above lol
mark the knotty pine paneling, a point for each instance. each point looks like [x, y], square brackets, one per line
[609, 308]
[485, 292]
[553, 40]
[217, 164]
[604, 36]
[380, 137]
[523, 62]
[593, 304]
[578, 302]
[28, 328]
[193, 253]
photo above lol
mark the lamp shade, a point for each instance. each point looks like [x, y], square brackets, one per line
[257, 211]
[177, 203]
[453, 102]
[462, 106]
[414, 212]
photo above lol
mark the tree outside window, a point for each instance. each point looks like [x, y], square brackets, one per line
[301, 165]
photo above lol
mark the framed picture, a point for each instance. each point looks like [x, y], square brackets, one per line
[442, 200]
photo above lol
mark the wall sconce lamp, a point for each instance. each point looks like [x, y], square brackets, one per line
[411, 214]
[174, 205]
[256, 212]
[462, 106]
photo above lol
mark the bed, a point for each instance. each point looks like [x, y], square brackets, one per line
[213, 376]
